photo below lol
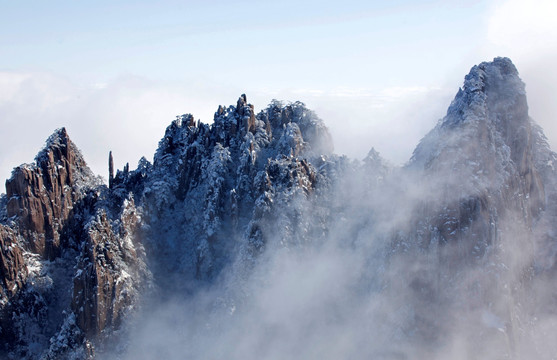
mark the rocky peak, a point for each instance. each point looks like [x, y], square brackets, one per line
[246, 115]
[41, 195]
[493, 97]
[294, 124]
[479, 161]
[488, 113]
[489, 87]
[214, 168]
[291, 128]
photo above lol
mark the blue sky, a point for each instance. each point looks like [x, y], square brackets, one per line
[378, 73]
[313, 42]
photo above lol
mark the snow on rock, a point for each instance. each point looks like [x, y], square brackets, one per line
[78, 259]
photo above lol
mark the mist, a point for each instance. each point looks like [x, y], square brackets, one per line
[450, 255]
[127, 115]
[377, 284]
[348, 296]
[425, 234]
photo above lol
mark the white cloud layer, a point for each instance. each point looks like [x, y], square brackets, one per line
[128, 114]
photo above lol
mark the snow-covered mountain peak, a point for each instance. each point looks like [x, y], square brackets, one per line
[482, 157]
[490, 89]
[486, 122]
[255, 207]
[59, 151]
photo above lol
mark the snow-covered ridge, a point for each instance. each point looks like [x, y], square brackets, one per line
[255, 206]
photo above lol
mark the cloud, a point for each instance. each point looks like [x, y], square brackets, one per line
[530, 24]
[391, 119]
[127, 115]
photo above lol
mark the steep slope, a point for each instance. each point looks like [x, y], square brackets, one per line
[41, 196]
[486, 164]
[63, 260]
[482, 179]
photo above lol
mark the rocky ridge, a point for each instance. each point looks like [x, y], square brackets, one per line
[78, 258]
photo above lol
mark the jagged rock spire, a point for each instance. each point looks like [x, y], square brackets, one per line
[242, 101]
[492, 101]
[110, 170]
[41, 196]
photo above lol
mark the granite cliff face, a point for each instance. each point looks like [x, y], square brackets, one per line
[41, 196]
[56, 234]
[79, 260]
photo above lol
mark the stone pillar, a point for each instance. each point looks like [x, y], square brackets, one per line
[110, 170]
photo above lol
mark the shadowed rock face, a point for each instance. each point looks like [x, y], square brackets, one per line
[103, 289]
[78, 258]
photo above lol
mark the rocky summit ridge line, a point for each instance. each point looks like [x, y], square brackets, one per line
[80, 261]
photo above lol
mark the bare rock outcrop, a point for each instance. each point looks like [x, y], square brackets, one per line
[42, 196]
[110, 271]
[246, 114]
[13, 270]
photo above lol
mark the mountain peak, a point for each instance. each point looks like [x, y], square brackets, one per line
[59, 148]
[486, 138]
[504, 65]
[501, 69]
[42, 195]
[490, 90]
[498, 77]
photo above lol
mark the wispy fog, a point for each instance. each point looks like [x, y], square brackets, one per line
[129, 114]
[367, 290]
